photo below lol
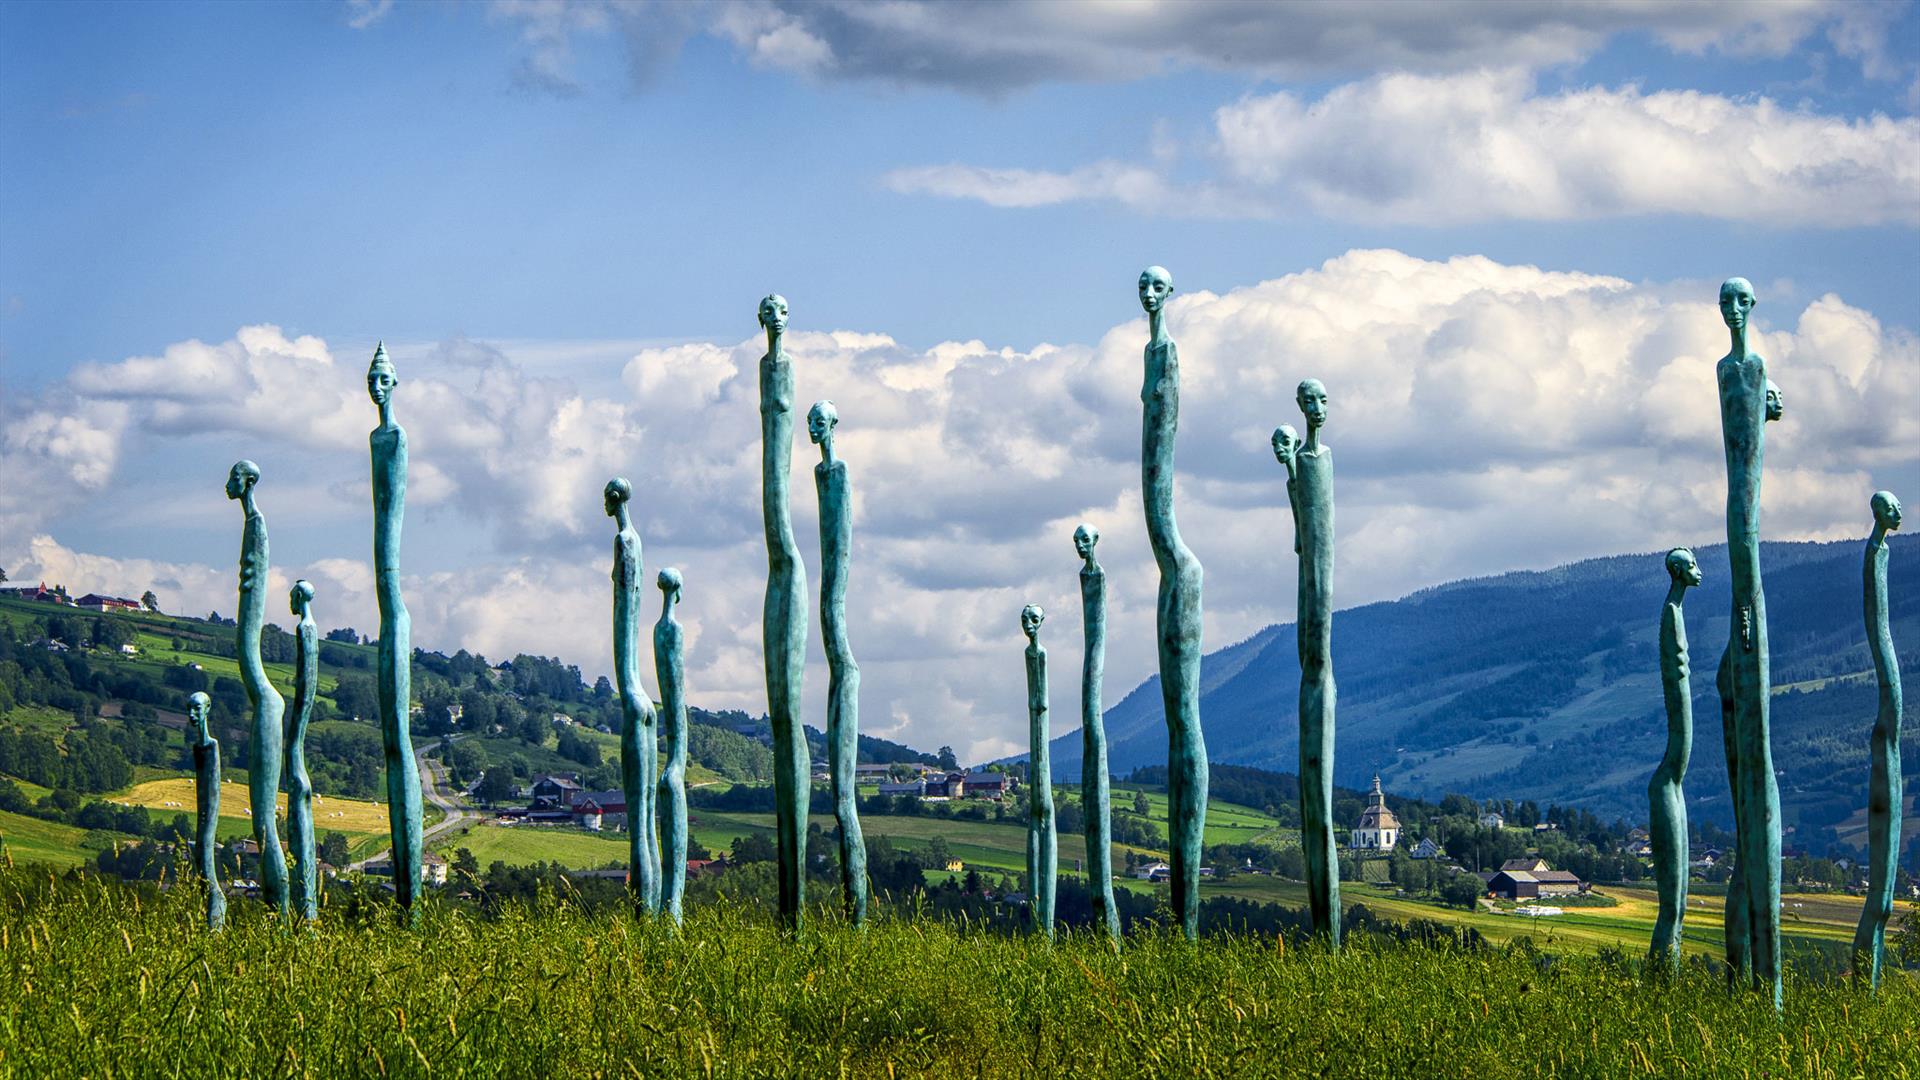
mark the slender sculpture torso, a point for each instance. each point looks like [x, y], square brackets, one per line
[843, 674]
[639, 742]
[784, 616]
[1043, 846]
[1665, 795]
[263, 756]
[388, 446]
[1178, 616]
[1884, 784]
[1095, 799]
[669, 668]
[1753, 899]
[206, 791]
[306, 682]
[1310, 493]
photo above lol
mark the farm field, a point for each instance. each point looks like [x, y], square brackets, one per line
[364, 823]
[523, 845]
[30, 840]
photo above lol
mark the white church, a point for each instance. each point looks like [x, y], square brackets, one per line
[1378, 829]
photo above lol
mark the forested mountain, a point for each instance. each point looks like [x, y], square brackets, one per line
[1545, 686]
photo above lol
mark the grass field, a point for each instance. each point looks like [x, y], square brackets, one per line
[523, 845]
[129, 985]
[364, 823]
[30, 840]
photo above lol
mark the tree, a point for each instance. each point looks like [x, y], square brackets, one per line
[947, 760]
[147, 600]
[496, 786]
[3, 575]
[345, 635]
[333, 849]
[754, 847]
[1140, 804]
[109, 633]
[465, 864]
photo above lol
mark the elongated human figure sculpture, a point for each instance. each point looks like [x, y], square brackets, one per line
[1178, 617]
[843, 674]
[1043, 845]
[306, 683]
[669, 668]
[1309, 467]
[639, 740]
[784, 617]
[1095, 798]
[388, 446]
[263, 761]
[1665, 795]
[206, 798]
[1884, 783]
[1753, 897]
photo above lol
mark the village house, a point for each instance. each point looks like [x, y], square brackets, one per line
[558, 790]
[597, 810]
[1528, 879]
[916, 788]
[1492, 820]
[946, 785]
[103, 604]
[987, 785]
[40, 594]
[1427, 849]
[1378, 829]
[1158, 871]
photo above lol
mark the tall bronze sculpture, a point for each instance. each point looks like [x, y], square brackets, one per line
[1095, 798]
[639, 742]
[263, 760]
[843, 674]
[669, 667]
[1753, 895]
[306, 683]
[1043, 846]
[1178, 615]
[206, 798]
[1309, 468]
[387, 445]
[784, 616]
[1665, 794]
[1884, 782]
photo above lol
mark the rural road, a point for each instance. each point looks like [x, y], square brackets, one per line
[452, 805]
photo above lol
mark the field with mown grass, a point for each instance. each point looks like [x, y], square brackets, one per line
[364, 823]
[97, 979]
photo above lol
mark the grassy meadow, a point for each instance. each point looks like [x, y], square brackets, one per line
[97, 979]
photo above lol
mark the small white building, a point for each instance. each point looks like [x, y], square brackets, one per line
[1492, 820]
[1378, 829]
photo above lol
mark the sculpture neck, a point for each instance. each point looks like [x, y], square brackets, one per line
[246, 502]
[1676, 593]
[1737, 347]
[302, 616]
[1092, 567]
[776, 347]
[826, 451]
[1312, 445]
[669, 601]
[622, 517]
[1157, 327]
[200, 728]
[386, 413]
[1878, 538]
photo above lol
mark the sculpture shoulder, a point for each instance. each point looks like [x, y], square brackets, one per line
[392, 437]
[1750, 372]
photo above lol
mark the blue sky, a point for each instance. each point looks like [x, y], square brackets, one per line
[561, 216]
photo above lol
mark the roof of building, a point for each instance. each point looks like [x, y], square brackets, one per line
[1557, 876]
[1376, 815]
[558, 781]
[1524, 864]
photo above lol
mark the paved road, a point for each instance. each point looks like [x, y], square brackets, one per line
[434, 786]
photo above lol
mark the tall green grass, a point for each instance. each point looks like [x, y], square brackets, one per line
[101, 980]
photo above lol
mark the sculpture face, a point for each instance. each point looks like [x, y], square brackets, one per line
[1286, 442]
[618, 491]
[1313, 401]
[1030, 619]
[1084, 538]
[300, 596]
[1156, 284]
[1736, 301]
[1886, 510]
[198, 706]
[669, 581]
[241, 477]
[1682, 567]
[821, 420]
[381, 376]
[773, 313]
[1776, 403]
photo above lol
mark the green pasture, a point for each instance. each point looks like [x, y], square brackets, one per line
[30, 840]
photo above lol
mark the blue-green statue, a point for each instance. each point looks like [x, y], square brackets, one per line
[669, 667]
[1884, 783]
[263, 763]
[1309, 468]
[1665, 794]
[206, 792]
[306, 683]
[639, 741]
[784, 617]
[1753, 895]
[843, 674]
[1095, 798]
[388, 446]
[1043, 846]
[1178, 616]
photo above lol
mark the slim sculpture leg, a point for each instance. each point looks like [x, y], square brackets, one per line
[264, 753]
[206, 788]
[1884, 795]
[783, 618]
[1095, 798]
[843, 674]
[1043, 846]
[1665, 796]
[638, 739]
[388, 449]
[669, 666]
[306, 682]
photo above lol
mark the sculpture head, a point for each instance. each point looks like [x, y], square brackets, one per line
[1736, 301]
[773, 313]
[1682, 567]
[1286, 443]
[669, 582]
[381, 376]
[1084, 538]
[821, 420]
[1886, 510]
[617, 492]
[1776, 403]
[198, 706]
[1030, 619]
[241, 478]
[300, 596]
[1312, 399]
[1156, 284]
